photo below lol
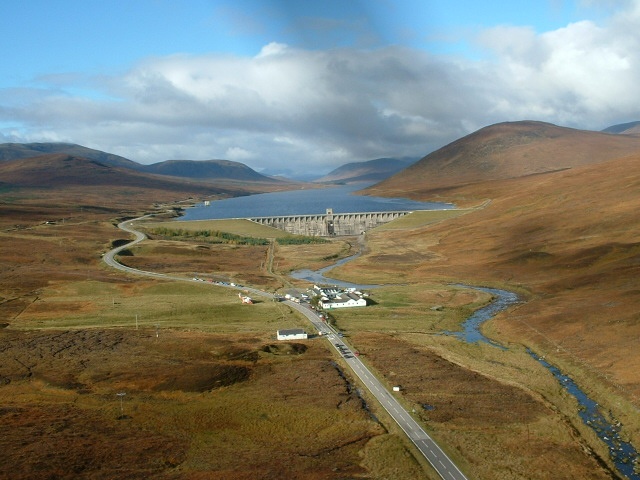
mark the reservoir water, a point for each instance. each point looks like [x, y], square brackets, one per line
[306, 202]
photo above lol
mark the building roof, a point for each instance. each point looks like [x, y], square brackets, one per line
[291, 331]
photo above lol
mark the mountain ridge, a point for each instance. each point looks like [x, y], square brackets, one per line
[629, 128]
[189, 169]
[207, 169]
[374, 170]
[17, 151]
[60, 170]
[507, 150]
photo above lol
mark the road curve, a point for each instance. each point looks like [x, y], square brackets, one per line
[438, 459]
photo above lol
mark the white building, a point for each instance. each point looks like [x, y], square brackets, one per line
[343, 300]
[292, 334]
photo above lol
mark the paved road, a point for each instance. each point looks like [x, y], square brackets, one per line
[429, 448]
[432, 452]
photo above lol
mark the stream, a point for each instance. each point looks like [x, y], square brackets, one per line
[623, 454]
[317, 276]
[502, 299]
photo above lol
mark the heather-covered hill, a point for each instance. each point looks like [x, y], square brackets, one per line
[210, 170]
[507, 150]
[568, 238]
[15, 151]
[62, 170]
[369, 171]
[57, 180]
[69, 178]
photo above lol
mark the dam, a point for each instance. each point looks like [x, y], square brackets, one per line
[329, 224]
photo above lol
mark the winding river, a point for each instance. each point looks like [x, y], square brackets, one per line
[623, 454]
[317, 276]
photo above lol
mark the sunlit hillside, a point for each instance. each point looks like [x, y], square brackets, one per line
[568, 238]
[507, 150]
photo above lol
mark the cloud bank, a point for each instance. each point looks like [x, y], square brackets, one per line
[298, 111]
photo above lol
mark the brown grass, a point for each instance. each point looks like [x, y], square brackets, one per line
[507, 150]
[209, 393]
[195, 404]
[567, 241]
[494, 429]
[576, 251]
[570, 251]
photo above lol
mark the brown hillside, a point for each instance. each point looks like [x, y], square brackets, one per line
[508, 150]
[571, 239]
[62, 170]
[72, 180]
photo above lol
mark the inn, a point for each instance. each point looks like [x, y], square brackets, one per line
[332, 297]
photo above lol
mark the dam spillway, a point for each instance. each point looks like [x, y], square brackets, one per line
[329, 224]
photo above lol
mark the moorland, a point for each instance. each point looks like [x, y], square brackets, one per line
[207, 392]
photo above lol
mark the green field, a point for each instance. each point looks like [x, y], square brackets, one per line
[178, 305]
[237, 226]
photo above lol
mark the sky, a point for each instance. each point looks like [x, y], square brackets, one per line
[298, 88]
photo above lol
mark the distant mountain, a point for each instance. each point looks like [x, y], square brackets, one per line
[60, 170]
[507, 150]
[369, 171]
[631, 128]
[207, 170]
[14, 151]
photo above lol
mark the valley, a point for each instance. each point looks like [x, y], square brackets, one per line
[210, 393]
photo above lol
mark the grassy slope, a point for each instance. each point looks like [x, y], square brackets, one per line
[568, 241]
[569, 236]
[508, 150]
[471, 247]
[207, 395]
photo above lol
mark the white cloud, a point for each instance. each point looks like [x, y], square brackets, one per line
[289, 109]
[272, 48]
[238, 154]
[582, 75]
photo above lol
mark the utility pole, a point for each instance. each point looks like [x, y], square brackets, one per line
[121, 395]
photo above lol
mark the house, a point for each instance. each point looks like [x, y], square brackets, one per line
[344, 300]
[333, 297]
[292, 334]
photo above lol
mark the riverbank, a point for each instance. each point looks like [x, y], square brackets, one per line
[610, 431]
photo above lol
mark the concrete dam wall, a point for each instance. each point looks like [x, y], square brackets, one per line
[330, 224]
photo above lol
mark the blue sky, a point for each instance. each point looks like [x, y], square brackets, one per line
[45, 36]
[285, 85]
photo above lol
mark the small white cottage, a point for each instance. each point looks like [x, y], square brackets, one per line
[292, 334]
